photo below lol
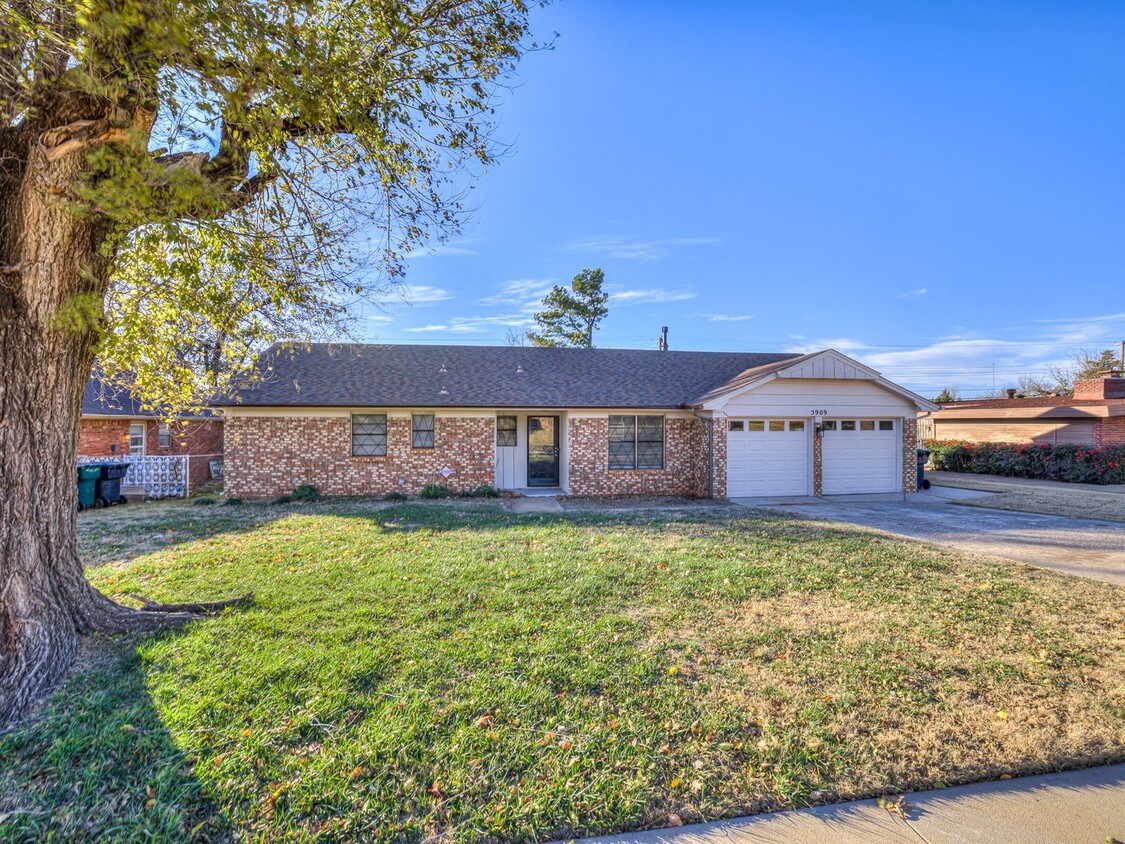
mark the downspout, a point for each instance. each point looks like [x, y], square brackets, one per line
[710, 420]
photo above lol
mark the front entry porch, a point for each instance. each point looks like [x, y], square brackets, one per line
[531, 452]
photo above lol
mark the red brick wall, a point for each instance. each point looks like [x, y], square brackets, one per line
[188, 437]
[909, 455]
[1110, 431]
[202, 440]
[96, 437]
[719, 458]
[684, 461]
[270, 455]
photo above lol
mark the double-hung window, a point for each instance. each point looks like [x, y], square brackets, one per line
[422, 430]
[137, 438]
[636, 442]
[164, 436]
[369, 434]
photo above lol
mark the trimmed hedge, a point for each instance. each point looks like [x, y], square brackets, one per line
[1077, 464]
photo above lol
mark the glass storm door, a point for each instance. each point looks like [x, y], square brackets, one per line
[542, 451]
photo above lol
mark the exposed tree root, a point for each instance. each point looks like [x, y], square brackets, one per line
[36, 655]
[200, 608]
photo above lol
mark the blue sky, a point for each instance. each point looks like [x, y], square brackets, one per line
[937, 189]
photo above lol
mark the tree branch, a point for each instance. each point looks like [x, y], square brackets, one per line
[79, 135]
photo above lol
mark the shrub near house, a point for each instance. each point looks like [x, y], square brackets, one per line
[1071, 463]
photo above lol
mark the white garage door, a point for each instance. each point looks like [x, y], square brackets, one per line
[767, 457]
[860, 455]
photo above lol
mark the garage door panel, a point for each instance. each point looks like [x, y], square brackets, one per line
[767, 459]
[860, 459]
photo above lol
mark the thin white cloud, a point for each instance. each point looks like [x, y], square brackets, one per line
[649, 295]
[423, 294]
[520, 292]
[840, 344]
[1082, 321]
[917, 293]
[380, 319]
[978, 365]
[441, 250]
[474, 325]
[633, 249]
[727, 317]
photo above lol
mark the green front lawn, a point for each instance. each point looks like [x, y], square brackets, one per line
[425, 671]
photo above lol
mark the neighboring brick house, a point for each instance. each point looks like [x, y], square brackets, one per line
[114, 424]
[371, 419]
[1094, 415]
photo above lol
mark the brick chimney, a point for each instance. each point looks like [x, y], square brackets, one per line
[1100, 388]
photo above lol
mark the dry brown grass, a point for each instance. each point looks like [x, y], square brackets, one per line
[887, 696]
[1106, 507]
[1073, 503]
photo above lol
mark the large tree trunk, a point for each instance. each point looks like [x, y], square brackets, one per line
[53, 278]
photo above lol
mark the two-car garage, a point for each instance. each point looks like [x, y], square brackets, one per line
[775, 457]
[825, 425]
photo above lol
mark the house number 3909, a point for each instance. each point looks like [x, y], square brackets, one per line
[819, 412]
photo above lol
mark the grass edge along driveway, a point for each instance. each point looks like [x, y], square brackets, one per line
[433, 671]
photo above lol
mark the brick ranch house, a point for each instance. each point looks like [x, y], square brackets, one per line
[1094, 415]
[371, 419]
[114, 424]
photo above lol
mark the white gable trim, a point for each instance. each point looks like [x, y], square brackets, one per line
[829, 365]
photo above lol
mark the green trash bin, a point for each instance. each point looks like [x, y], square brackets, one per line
[87, 482]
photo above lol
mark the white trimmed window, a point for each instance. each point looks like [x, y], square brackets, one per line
[137, 438]
[506, 430]
[369, 434]
[422, 430]
[636, 442]
[164, 436]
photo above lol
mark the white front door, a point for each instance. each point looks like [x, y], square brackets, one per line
[860, 456]
[767, 457]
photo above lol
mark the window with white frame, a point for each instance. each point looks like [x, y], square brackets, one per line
[369, 434]
[636, 442]
[422, 430]
[505, 430]
[164, 436]
[137, 438]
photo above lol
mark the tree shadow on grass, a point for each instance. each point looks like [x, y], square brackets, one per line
[120, 535]
[124, 536]
[96, 764]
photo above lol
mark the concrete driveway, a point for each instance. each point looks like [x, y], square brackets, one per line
[1075, 546]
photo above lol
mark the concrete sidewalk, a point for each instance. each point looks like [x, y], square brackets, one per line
[1078, 807]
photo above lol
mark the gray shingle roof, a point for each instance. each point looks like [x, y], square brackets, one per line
[354, 375]
[101, 398]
